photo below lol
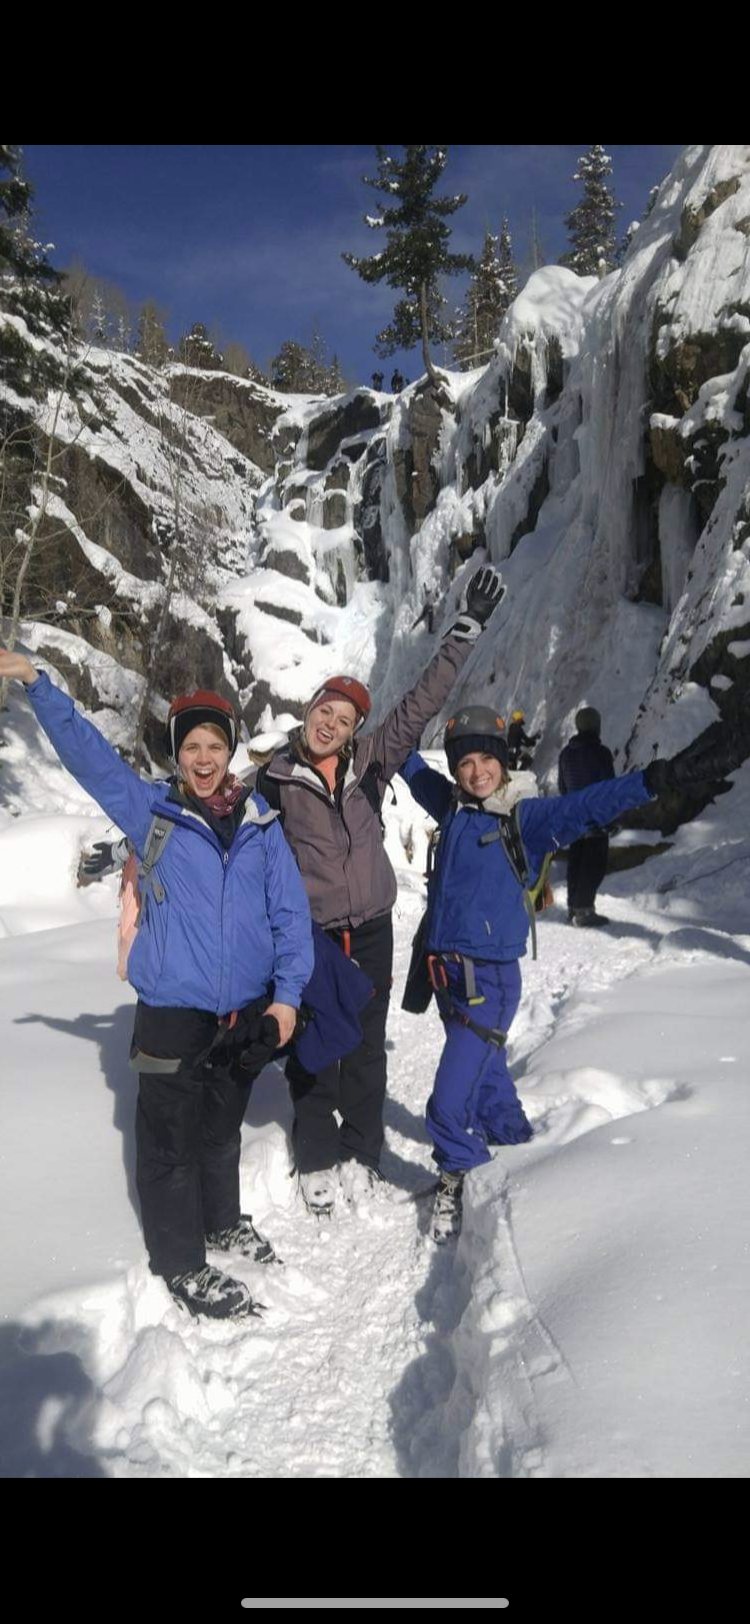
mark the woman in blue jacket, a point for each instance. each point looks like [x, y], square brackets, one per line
[225, 928]
[487, 850]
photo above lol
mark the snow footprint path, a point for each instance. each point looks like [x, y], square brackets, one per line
[306, 1391]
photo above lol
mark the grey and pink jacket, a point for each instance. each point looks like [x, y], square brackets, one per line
[337, 837]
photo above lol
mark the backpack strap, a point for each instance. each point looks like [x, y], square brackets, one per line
[270, 789]
[369, 785]
[160, 831]
[509, 832]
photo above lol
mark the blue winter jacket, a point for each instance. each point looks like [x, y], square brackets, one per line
[234, 923]
[475, 902]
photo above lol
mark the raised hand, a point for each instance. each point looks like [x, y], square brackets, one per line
[482, 595]
[105, 858]
[691, 766]
[17, 665]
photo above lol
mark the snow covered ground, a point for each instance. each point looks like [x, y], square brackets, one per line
[593, 1320]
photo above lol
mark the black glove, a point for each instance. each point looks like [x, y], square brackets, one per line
[248, 1045]
[483, 594]
[105, 859]
[691, 766]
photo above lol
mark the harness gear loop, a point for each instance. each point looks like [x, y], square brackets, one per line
[439, 981]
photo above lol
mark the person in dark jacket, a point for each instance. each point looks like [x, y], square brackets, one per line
[329, 783]
[226, 934]
[520, 742]
[397, 382]
[585, 760]
[477, 923]
[377, 380]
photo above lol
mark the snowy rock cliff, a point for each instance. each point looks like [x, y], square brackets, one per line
[602, 460]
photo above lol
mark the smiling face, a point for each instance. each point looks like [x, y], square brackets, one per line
[329, 726]
[203, 759]
[480, 775]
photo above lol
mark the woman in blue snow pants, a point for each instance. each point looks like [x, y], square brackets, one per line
[490, 845]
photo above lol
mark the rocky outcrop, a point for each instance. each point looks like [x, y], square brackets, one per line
[110, 510]
[415, 468]
[537, 496]
[287, 562]
[244, 412]
[677, 376]
[334, 510]
[367, 515]
[694, 217]
[348, 418]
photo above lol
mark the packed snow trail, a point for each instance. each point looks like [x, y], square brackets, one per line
[378, 1354]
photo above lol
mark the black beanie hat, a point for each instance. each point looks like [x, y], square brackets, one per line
[201, 718]
[481, 743]
[199, 709]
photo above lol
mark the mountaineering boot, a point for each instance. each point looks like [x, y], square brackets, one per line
[208, 1291]
[358, 1181]
[319, 1191]
[589, 916]
[447, 1212]
[244, 1238]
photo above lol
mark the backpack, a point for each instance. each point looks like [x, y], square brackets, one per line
[139, 882]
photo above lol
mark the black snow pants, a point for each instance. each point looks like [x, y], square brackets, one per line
[354, 1086]
[587, 866]
[187, 1139]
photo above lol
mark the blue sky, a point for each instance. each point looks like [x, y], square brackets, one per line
[249, 238]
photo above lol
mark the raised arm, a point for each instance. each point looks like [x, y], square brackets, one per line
[84, 751]
[431, 790]
[556, 820]
[402, 729]
[549, 823]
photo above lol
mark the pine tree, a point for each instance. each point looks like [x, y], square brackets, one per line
[487, 299]
[335, 384]
[417, 249]
[507, 267]
[196, 350]
[290, 369]
[30, 287]
[152, 343]
[591, 224]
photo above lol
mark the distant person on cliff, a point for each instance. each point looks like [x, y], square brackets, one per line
[398, 382]
[328, 784]
[377, 381]
[583, 761]
[520, 742]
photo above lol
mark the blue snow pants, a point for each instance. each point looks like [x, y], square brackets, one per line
[473, 1102]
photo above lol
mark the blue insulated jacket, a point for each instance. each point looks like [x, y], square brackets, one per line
[233, 923]
[475, 902]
